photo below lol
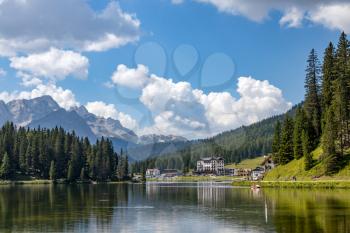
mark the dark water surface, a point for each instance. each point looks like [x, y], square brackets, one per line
[181, 207]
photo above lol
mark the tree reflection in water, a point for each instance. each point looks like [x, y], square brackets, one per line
[169, 207]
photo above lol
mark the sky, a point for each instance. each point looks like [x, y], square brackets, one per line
[192, 68]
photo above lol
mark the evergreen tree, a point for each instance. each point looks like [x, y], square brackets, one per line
[5, 168]
[341, 95]
[120, 168]
[328, 143]
[70, 175]
[126, 166]
[276, 143]
[59, 155]
[299, 126]
[306, 150]
[22, 152]
[53, 172]
[328, 77]
[143, 175]
[312, 103]
[286, 153]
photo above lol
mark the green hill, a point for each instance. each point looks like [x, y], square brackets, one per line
[247, 163]
[295, 168]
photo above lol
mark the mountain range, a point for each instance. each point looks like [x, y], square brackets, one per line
[44, 112]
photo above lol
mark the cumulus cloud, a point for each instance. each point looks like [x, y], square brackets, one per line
[334, 15]
[64, 97]
[292, 18]
[64, 24]
[54, 64]
[132, 78]
[104, 110]
[179, 109]
[28, 80]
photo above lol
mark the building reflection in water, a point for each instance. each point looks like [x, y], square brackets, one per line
[211, 195]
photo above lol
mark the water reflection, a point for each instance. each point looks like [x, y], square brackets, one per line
[198, 207]
[310, 210]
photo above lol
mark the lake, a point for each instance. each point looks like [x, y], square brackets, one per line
[171, 207]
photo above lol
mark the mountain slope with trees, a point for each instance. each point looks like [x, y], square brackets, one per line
[319, 134]
[234, 146]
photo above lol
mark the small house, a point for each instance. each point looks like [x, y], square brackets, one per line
[268, 163]
[229, 171]
[257, 173]
[242, 172]
[150, 173]
[168, 173]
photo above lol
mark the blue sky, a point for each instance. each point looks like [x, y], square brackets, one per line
[206, 45]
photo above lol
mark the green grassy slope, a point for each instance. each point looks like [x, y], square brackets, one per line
[296, 169]
[247, 163]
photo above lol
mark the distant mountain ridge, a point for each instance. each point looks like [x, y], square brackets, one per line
[156, 138]
[46, 113]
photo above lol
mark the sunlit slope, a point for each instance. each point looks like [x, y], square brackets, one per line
[296, 169]
[247, 163]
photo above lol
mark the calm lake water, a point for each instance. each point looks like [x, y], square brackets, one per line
[181, 207]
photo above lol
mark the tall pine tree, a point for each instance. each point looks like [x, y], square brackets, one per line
[306, 150]
[299, 126]
[276, 143]
[5, 168]
[328, 77]
[312, 103]
[341, 91]
[286, 147]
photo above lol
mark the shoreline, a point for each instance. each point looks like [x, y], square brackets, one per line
[329, 184]
[195, 179]
[58, 182]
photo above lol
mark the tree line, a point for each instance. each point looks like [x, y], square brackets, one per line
[324, 117]
[57, 154]
[234, 145]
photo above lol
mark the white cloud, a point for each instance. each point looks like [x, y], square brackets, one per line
[292, 18]
[64, 97]
[28, 80]
[64, 24]
[132, 78]
[104, 110]
[54, 64]
[331, 14]
[179, 109]
[334, 16]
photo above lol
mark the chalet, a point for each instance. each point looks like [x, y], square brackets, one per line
[268, 163]
[150, 173]
[211, 165]
[242, 172]
[257, 173]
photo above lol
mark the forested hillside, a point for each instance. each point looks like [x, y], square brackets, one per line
[235, 145]
[324, 119]
[55, 154]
